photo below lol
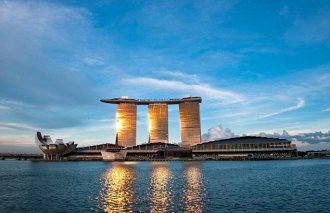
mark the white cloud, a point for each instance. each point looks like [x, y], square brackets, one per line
[326, 110]
[178, 75]
[216, 133]
[304, 141]
[305, 146]
[3, 107]
[300, 104]
[204, 90]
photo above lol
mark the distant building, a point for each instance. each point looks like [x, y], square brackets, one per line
[240, 148]
[53, 150]
[147, 151]
[245, 147]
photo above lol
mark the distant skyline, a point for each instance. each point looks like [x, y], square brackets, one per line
[260, 66]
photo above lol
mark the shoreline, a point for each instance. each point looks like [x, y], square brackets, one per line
[186, 160]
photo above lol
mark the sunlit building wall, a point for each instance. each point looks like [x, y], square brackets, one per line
[126, 125]
[190, 123]
[158, 123]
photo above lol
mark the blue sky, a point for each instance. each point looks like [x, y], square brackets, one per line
[260, 66]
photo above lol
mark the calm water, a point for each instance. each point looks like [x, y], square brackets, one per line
[248, 186]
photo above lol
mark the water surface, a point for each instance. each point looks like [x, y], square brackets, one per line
[212, 186]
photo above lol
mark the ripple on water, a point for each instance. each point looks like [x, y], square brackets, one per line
[270, 186]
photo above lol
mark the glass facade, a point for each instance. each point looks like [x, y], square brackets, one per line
[158, 119]
[190, 123]
[126, 125]
[158, 123]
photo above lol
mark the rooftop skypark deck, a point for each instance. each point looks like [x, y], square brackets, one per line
[151, 101]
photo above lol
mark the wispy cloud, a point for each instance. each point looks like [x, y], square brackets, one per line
[17, 126]
[30, 33]
[310, 30]
[326, 110]
[57, 60]
[284, 11]
[3, 107]
[207, 91]
[300, 104]
[178, 75]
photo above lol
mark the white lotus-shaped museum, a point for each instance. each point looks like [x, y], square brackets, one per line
[53, 150]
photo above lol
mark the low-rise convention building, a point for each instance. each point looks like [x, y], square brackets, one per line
[245, 147]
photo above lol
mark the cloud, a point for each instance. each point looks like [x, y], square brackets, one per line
[17, 126]
[284, 11]
[261, 50]
[275, 134]
[178, 75]
[3, 107]
[304, 141]
[42, 82]
[305, 146]
[18, 144]
[216, 133]
[312, 137]
[326, 110]
[300, 104]
[310, 30]
[28, 34]
[205, 90]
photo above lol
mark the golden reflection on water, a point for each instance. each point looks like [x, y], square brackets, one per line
[193, 190]
[160, 195]
[118, 191]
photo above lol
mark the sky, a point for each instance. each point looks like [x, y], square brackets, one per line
[261, 67]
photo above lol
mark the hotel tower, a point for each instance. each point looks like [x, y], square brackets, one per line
[158, 120]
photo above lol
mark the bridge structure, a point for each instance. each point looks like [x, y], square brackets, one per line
[12, 156]
[126, 117]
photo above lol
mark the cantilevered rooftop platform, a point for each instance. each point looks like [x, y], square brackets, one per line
[151, 101]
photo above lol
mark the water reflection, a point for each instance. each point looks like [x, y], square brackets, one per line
[193, 192]
[118, 191]
[156, 188]
[159, 188]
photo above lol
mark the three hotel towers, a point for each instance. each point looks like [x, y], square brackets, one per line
[158, 120]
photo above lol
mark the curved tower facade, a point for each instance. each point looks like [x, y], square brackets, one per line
[126, 125]
[190, 123]
[158, 123]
